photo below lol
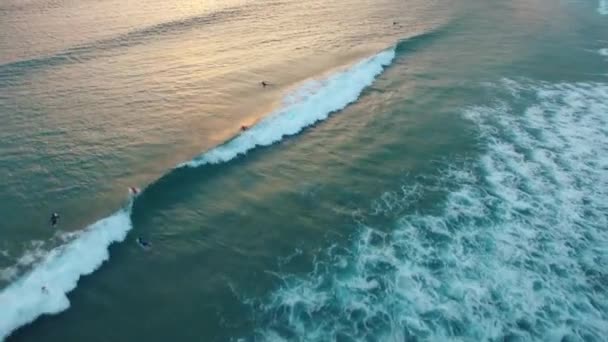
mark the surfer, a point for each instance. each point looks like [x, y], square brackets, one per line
[143, 243]
[133, 190]
[54, 219]
[264, 84]
[244, 128]
[44, 290]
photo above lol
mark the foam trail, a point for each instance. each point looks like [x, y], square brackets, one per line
[602, 7]
[518, 250]
[25, 300]
[603, 52]
[314, 101]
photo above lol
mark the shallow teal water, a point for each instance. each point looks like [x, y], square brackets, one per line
[459, 196]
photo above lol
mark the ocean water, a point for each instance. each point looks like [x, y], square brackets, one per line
[415, 171]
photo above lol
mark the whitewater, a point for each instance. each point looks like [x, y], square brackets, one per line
[517, 250]
[602, 7]
[44, 289]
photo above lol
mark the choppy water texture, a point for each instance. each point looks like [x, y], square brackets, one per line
[416, 171]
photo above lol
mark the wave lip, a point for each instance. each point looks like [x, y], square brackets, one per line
[313, 101]
[44, 290]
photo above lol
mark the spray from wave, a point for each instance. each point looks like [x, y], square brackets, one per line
[518, 252]
[602, 7]
[44, 289]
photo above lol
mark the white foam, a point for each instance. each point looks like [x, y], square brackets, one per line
[602, 7]
[603, 52]
[312, 102]
[518, 252]
[24, 300]
[34, 253]
[8, 273]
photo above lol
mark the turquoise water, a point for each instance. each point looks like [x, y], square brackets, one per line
[418, 171]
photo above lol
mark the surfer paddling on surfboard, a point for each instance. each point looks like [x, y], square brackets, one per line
[143, 243]
[133, 191]
[54, 219]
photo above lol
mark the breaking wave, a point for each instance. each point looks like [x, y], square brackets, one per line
[44, 289]
[313, 101]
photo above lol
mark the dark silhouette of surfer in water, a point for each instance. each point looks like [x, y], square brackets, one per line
[143, 243]
[244, 128]
[264, 84]
[54, 219]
